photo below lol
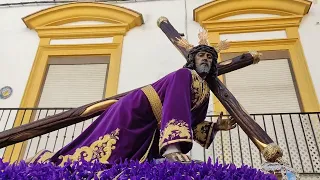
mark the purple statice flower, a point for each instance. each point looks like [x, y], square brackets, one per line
[133, 170]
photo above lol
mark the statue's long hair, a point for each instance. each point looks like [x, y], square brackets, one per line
[192, 54]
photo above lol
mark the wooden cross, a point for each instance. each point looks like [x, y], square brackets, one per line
[259, 137]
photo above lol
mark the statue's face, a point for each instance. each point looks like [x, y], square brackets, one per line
[203, 62]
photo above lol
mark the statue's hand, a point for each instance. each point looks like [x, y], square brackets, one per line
[177, 156]
[224, 124]
[180, 157]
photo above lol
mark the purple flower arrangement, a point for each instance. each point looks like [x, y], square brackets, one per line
[131, 170]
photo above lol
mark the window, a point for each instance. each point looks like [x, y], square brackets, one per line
[74, 81]
[266, 87]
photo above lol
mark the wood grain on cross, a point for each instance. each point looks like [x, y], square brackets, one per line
[76, 115]
[257, 135]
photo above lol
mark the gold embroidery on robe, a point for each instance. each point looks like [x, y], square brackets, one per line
[45, 157]
[202, 133]
[200, 90]
[174, 131]
[41, 157]
[100, 149]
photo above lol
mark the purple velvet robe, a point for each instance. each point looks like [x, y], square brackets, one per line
[129, 129]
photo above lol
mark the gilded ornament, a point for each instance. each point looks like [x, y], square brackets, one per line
[203, 40]
[182, 42]
[203, 37]
[260, 145]
[162, 19]
[256, 56]
[272, 152]
[40, 157]
[222, 45]
[174, 131]
[45, 157]
[100, 149]
[200, 90]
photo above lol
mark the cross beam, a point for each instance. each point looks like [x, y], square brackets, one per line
[258, 136]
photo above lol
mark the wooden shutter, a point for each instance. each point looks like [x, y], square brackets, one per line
[266, 87]
[73, 85]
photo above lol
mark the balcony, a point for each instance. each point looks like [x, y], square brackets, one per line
[297, 134]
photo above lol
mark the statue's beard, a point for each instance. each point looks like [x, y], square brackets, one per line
[203, 69]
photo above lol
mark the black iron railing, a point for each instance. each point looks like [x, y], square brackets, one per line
[296, 133]
[13, 117]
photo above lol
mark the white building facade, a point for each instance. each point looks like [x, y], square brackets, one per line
[64, 55]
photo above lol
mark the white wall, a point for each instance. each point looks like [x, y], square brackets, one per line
[147, 53]
[310, 38]
[18, 46]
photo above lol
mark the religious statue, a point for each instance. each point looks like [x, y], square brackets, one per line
[159, 120]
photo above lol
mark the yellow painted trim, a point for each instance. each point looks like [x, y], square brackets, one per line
[10, 151]
[37, 75]
[225, 8]
[74, 12]
[46, 23]
[256, 25]
[291, 13]
[262, 45]
[93, 31]
[307, 92]
[114, 68]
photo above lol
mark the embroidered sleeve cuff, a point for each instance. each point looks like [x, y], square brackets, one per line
[176, 131]
[204, 133]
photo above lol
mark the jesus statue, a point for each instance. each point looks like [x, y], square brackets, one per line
[160, 120]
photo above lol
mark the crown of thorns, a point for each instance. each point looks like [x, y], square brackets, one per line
[203, 40]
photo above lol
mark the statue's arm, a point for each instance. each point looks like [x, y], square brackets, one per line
[204, 133]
